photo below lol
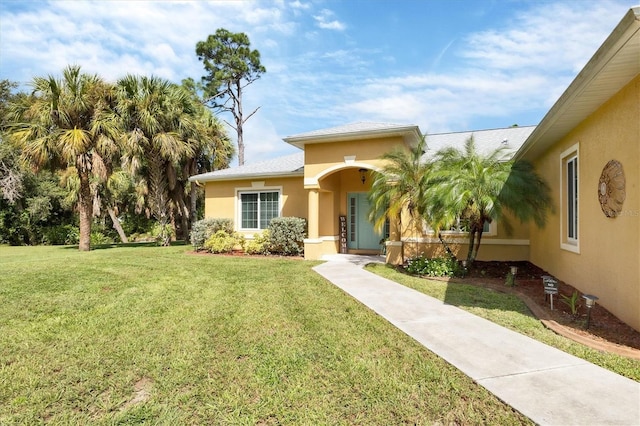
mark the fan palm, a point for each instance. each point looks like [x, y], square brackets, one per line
[158, 118]
[478, 188]
[68, 122]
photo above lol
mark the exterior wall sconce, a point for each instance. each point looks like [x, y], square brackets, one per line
[363, 175]
[590, 301]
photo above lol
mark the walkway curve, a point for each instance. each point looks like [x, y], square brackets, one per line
[543, 383]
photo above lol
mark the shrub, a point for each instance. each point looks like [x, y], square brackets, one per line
[437, 267]
[259, 244]
[223, 242]
[573, 302]
[203, 229]
[98, 238]
[163, 234]
[287, 235]
[60, 235]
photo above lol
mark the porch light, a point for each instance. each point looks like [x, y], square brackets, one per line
[590, 301]
[363, 175]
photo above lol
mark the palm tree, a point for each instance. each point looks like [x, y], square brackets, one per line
[158, 118]
[400, 187]
[213, 150]
[475, 189]
[68, 122]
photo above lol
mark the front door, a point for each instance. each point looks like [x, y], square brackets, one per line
[360, 233]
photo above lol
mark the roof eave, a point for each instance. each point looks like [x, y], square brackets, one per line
[410, 134]
[204, 178]
[536, 142]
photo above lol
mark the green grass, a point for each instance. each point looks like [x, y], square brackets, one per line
[143, 334]
[511, 312]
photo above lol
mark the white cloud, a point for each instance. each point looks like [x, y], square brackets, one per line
[325, 21]
[511, 73]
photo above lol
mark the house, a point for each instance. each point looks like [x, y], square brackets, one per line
[327, 184]
[587, 147]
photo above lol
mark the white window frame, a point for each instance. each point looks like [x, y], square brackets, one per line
[255, 190]
[567, 242]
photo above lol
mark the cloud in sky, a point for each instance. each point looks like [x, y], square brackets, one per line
[444, 66]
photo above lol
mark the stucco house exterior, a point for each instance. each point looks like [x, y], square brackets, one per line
[327, 184]
[588, 149]
[595, 121]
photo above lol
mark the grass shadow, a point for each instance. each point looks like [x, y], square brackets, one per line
[141, 244]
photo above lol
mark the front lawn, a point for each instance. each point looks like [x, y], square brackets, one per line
[147, 334]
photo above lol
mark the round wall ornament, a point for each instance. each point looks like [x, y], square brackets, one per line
[611, 189]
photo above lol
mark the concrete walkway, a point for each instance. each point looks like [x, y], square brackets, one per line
[543, 383]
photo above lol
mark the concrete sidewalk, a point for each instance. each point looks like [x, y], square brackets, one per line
[543, 383]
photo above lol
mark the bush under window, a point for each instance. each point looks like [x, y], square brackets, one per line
[287, 235]
[203, 229]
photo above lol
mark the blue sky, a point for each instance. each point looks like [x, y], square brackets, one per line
[443, 65]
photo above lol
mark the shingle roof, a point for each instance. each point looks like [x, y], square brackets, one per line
[293, 165]
[290, 165]
[486, 140]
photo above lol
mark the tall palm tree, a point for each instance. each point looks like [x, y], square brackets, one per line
[213, 150]
[400, 187]
[158, 118]
[69, 122]
[477, 188]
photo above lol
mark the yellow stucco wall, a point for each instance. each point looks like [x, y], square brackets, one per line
[320, 157]
[221, 196]
[607, 264]
[498, 244]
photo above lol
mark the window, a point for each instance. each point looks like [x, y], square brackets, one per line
[572, 198]
[258, 208]
[462, 227]
[569, 199]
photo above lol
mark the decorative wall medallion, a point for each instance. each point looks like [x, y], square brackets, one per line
[611, 189]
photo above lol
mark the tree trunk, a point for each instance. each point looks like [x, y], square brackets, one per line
[446, 246]
[472, 236]
[184, 219]
[239, 122]
[194, 198]
[478, 240]
[85, 210]
[117, 226]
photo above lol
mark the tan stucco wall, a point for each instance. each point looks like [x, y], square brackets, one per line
[498, 244]
[322, 156]
[608, 262]
[221, 201]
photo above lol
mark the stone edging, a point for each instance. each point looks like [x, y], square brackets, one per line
[570, 334]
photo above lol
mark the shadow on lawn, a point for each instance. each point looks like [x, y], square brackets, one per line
[141, 244]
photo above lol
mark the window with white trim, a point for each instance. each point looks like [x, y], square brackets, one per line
[257, 208]
[569, 199]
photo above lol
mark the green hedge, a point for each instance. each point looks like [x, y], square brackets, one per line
[287, 235]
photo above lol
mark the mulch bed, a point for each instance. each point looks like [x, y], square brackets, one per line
[605, 332]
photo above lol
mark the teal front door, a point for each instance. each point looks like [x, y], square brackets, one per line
[360, 233]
